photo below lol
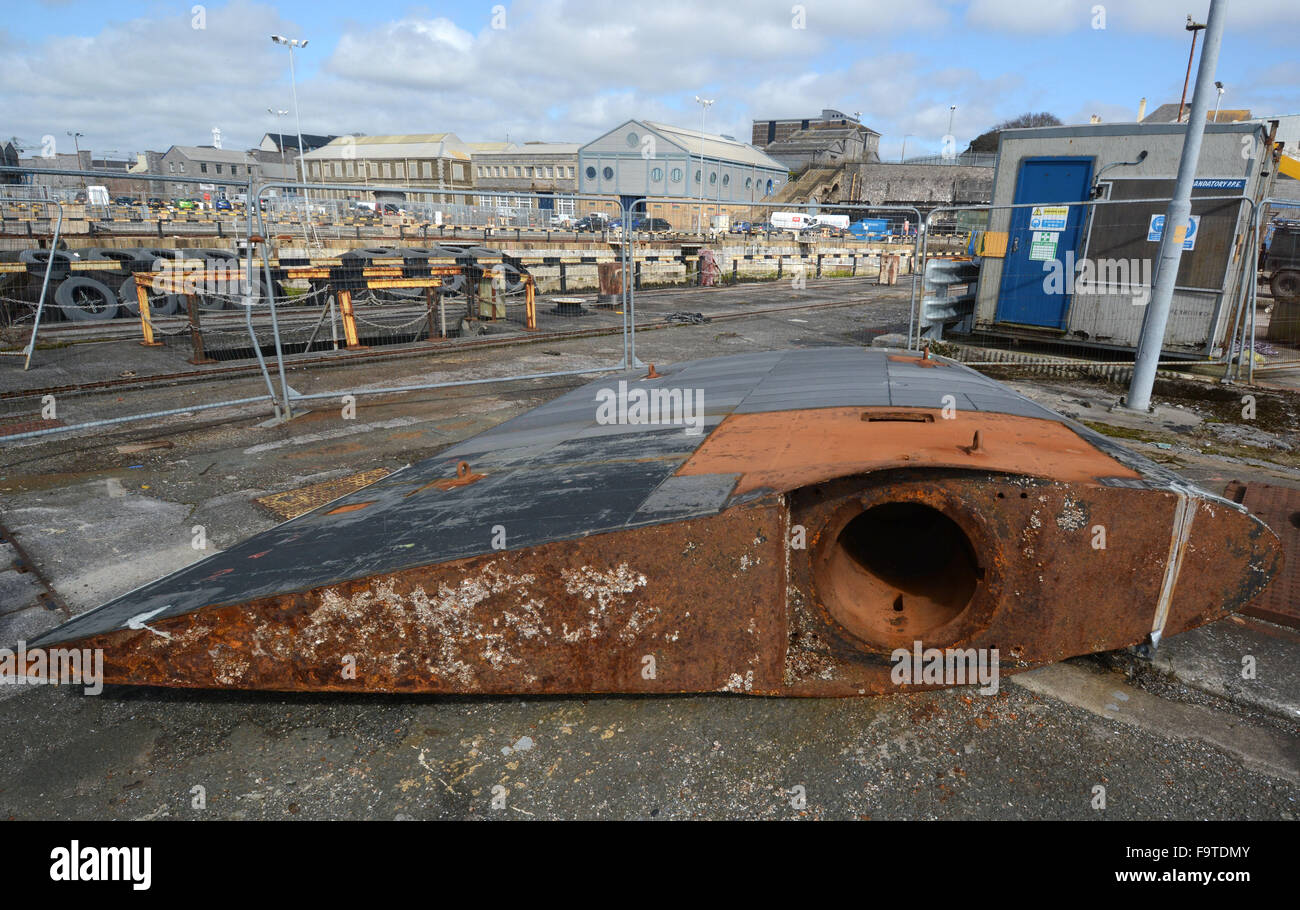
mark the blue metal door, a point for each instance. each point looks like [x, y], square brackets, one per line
[1041, 236]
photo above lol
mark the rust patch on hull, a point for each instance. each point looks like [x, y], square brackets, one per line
[1018, 570]
[700, 599]
[948, 560]
[784, 450]
[785, 553]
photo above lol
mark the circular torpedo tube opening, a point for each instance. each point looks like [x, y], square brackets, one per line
[898, 572]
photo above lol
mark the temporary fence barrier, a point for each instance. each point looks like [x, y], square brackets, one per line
[50, 257]
[1096, 263]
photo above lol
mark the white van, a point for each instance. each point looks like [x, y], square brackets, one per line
[793, 221]
[838, 222]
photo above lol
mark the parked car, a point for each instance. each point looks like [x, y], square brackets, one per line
[593, 222]
[652, 225]
[562, 221]
[741, 227]
[123, 200]
[156, 203]
[393, 209]
[1280, 258]
[223, 205]
[186, 204]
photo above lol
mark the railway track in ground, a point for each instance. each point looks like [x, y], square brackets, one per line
[341, 358]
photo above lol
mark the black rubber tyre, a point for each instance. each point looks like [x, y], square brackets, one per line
[86, 300]
[1285, 285]
[259, 291]
[451, 284]
[167, 305]
[368, 253]
[133, 255]
[36, 260]
[210, 253]
[211, 304]
[126, 295]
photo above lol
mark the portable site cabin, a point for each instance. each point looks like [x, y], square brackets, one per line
[1029, 254]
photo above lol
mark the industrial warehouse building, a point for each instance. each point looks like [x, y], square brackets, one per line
[548, 168]
[825, 146]
[438, 162]
[641, 159]
[1023, 247]
[288, 142]
[765, 132]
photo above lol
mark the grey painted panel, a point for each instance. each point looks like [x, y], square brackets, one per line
[680, 497]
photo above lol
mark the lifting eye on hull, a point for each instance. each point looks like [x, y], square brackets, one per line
[898, 572]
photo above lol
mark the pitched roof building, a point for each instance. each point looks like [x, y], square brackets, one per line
[1168, 113]
[549, 168]
[438, 162]
[643, 158]
[288, 142]
[826, 145]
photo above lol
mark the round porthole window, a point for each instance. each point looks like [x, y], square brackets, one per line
[713, 177]
[697, 175]
[677, 175]
[632, 140]
[656, 174]
[726, 179]
[749, 182]
[608, 173]
[591, 173]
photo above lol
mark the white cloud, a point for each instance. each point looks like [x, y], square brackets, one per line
[1274, 20]
[570, 69]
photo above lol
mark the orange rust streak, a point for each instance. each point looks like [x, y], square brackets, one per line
[352, 507]
[784, 450]
[918, 361]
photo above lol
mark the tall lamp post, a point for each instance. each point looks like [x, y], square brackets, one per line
[77, 145]
[903, 154]
[704, 106]
[1177, 219]
[291, 43]
[1219, 101]
[279, 133]
[1192, 27]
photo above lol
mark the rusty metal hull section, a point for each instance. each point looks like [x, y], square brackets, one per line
[835, 505]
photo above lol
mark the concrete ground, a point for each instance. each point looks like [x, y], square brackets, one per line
[1179, 735]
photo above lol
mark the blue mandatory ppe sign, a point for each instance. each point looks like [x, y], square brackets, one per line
[1157, 229]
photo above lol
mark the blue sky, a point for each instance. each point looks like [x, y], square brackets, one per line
[137, 75]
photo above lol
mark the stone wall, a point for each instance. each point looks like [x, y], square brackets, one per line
[884, 184]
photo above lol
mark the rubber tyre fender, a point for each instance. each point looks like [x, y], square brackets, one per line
[35, 261]
[372, 252]
[126, 295]
[103, 303]
[124, 255]
[260, 289]
[167, 305]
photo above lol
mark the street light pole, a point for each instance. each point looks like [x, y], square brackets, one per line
[952, 109]
[699, 217]
[903, 153]
[291, 43]
[1177, 219]
[1219, 101]
[1192, 27]
[77, 145]
[279, 135]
